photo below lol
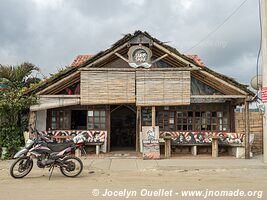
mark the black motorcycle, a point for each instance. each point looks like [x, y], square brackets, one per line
[49, 154]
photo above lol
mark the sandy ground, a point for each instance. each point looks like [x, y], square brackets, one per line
[93, 183]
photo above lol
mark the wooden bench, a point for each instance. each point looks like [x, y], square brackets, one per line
[61, 139]
[214, 144]
[96, 144]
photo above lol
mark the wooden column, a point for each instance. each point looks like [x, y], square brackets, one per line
[215, 148]
[153, 117]
[247, 134]
[108, 127]
[167, 147]
[232, 116]
[138, 127]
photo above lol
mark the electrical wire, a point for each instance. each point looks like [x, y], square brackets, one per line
[217, 28]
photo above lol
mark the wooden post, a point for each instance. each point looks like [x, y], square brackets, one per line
[97, 149]
[215, 149]
[138, 129]
[194, 150]
[153, 117]
[247, 135]
[167, 147]
[108, 127]
[232, 116]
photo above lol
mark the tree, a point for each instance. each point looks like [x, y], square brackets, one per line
[19, 76]
[14, 103]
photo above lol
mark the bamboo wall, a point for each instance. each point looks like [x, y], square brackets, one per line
[159, 88]
[255, 119]
[107, 87]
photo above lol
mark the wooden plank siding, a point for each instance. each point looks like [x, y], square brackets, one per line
[159, 88]
[107, 87]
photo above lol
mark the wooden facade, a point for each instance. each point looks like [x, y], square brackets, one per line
[163, 88]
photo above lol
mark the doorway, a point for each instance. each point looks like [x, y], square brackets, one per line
[123, 128]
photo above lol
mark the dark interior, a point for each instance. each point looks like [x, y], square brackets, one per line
[122, 128]
[78, 119]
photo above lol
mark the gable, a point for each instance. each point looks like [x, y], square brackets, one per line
[163, 56]
[119, 63]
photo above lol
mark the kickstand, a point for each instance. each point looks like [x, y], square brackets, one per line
[52, 167]
[84, 151]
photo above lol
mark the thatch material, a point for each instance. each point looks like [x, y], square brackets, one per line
[122, 41]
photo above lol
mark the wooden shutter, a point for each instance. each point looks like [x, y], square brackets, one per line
[107, 87]
[162, 88]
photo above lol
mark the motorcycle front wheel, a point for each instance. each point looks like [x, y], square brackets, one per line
[73, 166]
[21, 167]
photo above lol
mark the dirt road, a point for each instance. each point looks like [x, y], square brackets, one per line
[161, 184]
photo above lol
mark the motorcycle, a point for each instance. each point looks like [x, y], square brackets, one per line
[49, 154]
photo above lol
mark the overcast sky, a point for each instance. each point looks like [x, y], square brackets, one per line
[50, 33]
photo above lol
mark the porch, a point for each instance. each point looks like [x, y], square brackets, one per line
[119, 127]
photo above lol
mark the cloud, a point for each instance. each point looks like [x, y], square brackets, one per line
[51, 33]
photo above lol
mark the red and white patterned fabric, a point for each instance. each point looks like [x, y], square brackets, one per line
[92, 135]
[204, 137]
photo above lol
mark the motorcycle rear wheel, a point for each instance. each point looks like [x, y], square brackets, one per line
[25, 165]
[73, 168]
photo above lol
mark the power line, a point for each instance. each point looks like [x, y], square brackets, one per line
[218, 27]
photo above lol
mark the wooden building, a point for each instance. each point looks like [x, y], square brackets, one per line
[138, 82]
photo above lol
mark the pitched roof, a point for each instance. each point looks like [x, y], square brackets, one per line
[193, 59]
[80, 59]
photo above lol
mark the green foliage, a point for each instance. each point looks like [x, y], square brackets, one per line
[11, 137]
[17, 76]
[14, 105]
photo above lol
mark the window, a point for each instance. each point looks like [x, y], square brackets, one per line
[166, 120]
[196, 117]
[184, 120]
[59, 119]
[146, 116]
[96, 119]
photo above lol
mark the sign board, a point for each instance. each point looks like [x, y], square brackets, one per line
[151, 150]
[139, 56]
[264, 94]
[148, 133]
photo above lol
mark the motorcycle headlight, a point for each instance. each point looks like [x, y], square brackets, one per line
[29, 143]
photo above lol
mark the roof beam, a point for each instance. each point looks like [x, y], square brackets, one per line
[107, 55]
[123, 58]
[62, 81]
[174, 55]
[160, 58]
[219, 96]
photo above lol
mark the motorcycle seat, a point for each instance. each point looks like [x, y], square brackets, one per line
[57, 147]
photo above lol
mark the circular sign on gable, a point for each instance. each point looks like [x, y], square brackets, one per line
[139, 56]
